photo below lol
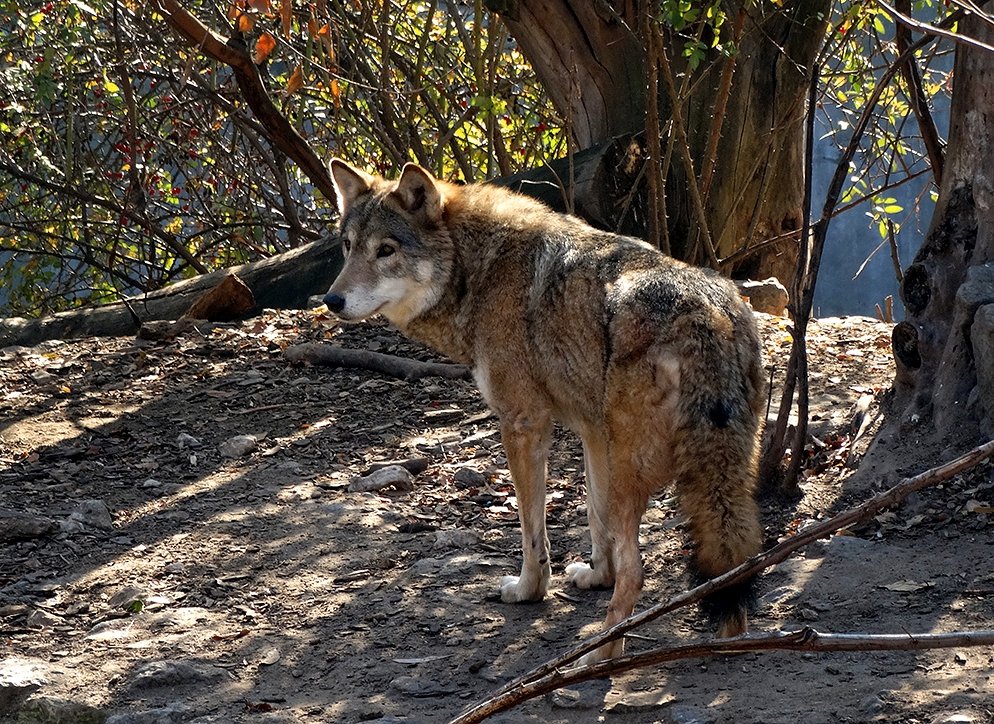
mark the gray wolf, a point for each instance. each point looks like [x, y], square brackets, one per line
[653, 363]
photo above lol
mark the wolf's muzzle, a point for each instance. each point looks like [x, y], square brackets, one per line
[334, 302]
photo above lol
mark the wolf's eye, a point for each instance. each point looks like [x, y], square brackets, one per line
[384, 251]
[346, 244]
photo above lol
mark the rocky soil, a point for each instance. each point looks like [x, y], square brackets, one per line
[181, 544]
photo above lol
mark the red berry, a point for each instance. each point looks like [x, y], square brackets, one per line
[177, 191]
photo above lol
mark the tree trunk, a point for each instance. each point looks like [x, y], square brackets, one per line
[588, 59]
[943, 349]
[591, 59]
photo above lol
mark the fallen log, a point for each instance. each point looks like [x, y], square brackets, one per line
[283, 281]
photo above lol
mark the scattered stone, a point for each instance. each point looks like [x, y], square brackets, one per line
[185, 440]
[173, 672]
[92, 513]
[809, 615]
[392, 476]
[421, 687]
[469, 478]
[42, 619]
[42, 377]
[768, 296]
[238, 446]
[456, 539]
[637, 702]
[151, 483]
[872, 704]
[174, 567]
[19, 679]
[587, 695]
[128, 598]
[17, 525]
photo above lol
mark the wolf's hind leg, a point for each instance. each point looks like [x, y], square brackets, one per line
[526, 440]
[627, 505]
[599, 573]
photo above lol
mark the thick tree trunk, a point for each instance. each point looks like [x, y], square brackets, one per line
[943, 349]
[592, 61]
[589, 61]
[758, 187]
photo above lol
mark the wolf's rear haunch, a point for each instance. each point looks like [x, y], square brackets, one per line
[655, 364]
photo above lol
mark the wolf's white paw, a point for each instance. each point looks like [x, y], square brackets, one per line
[514, 590]
[605, 652]
[582, 575]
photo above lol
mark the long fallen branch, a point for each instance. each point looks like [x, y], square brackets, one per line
[522, 688]
[387, 364]
[806, 639]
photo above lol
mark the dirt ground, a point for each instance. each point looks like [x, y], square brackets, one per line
[147, 577]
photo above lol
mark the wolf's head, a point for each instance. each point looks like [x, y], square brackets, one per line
[398, 254]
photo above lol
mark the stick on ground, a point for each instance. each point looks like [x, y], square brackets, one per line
[522, 688]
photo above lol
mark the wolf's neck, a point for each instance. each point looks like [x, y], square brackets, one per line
[445, 325]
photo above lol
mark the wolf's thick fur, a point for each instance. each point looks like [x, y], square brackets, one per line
[655, 364]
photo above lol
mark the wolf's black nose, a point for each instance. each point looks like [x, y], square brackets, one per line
[334, 302]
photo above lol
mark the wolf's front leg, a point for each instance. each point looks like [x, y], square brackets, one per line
[526, 439]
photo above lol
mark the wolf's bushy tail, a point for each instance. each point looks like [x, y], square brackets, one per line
[716, 457]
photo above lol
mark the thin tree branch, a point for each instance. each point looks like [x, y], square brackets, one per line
[688, 162]
[510, 694]
[939, 30]
[233, 53]
[916, 94]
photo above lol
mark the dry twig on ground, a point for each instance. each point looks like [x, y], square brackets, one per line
[534, 682]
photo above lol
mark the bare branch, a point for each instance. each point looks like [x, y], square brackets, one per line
[807, 639]
[508, 695]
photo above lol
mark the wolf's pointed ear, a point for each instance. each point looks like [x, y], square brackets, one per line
[350, 183]
[418, 192]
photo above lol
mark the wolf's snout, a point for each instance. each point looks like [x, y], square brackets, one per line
[334, 301]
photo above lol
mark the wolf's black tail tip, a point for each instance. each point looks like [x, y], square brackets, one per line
[728, 608]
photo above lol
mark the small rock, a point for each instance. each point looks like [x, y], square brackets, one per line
[151, 483]
[93, 513]
[173, 672]
[238, 446]
[456, 539]
[469, 478]
[872, 704]
[128, 597]
[808, 615]
[42, 619]
[184, 440]
[174, 568]
[42, 377]
[393, 476]
[573, 699]
[19, 679]
[16, 525]
[768, 296]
